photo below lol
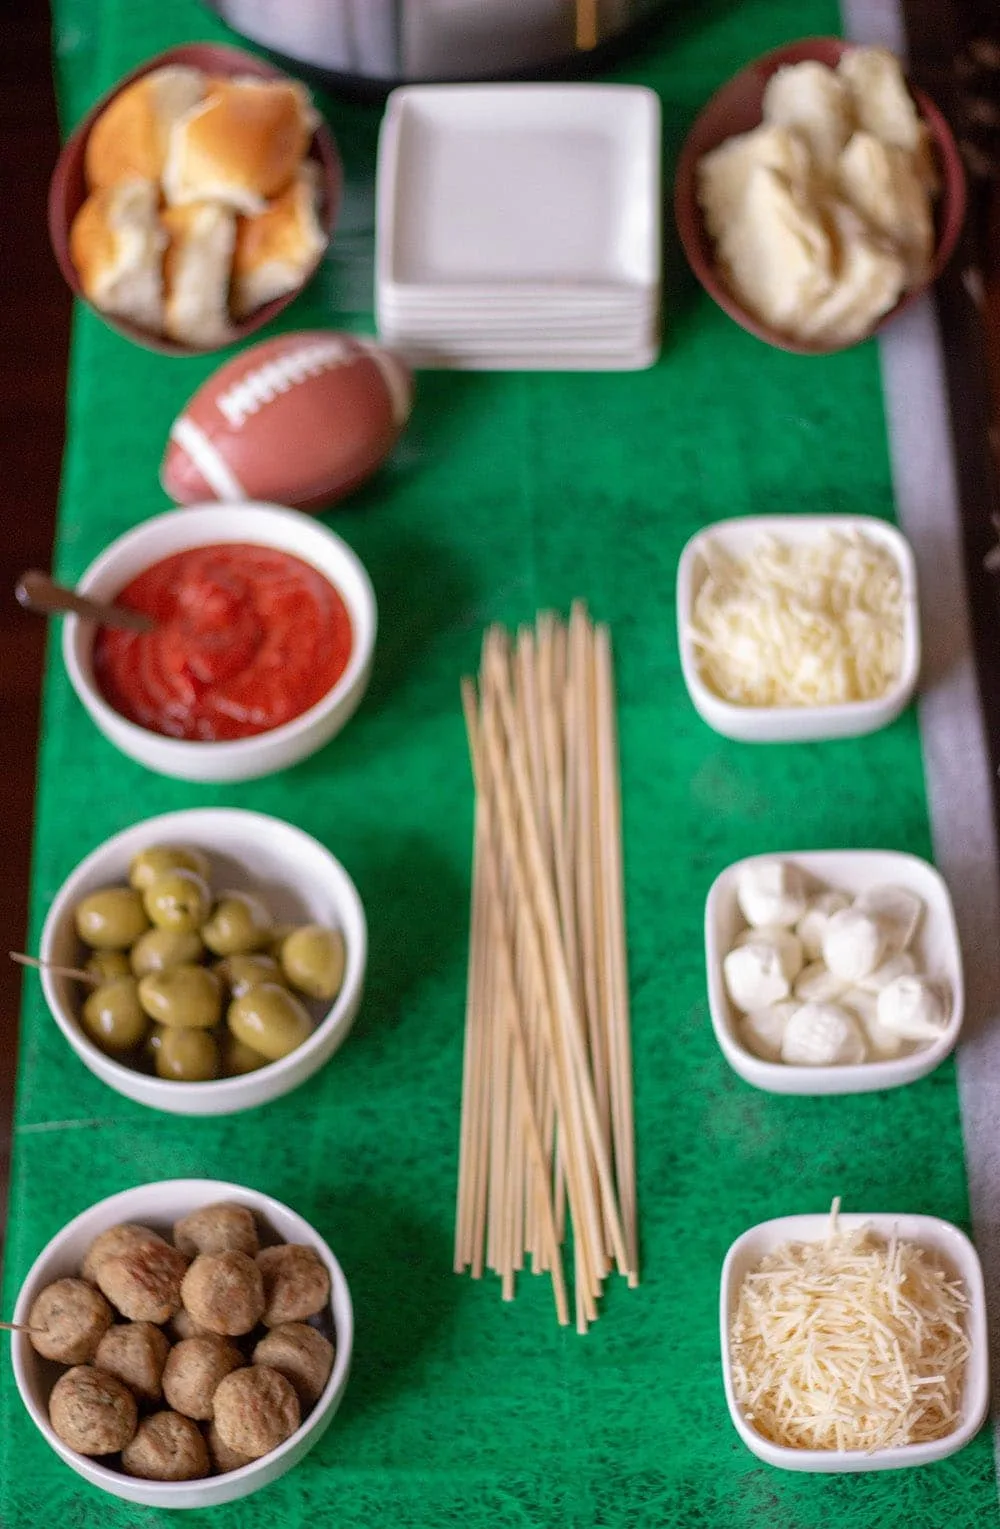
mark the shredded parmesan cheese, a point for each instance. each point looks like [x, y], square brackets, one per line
[851, 1343]
[815, 623]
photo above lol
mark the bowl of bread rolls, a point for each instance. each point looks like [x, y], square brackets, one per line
[819, 194]
[195, 200]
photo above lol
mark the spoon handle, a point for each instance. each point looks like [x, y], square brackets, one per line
[37, 592]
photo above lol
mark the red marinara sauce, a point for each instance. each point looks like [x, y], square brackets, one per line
[247, 638]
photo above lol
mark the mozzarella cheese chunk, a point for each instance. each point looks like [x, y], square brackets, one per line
[811, 925]
[761, 971]
[816, 102]
[853, 945]
[897, 909]
[882, 182]
[822, 1035]
[771, 892]
[724, 173]
[902, 965]
[914, 1008]
[816, 984]
[762, 1030]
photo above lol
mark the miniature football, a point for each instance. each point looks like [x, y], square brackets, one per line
[300, 420]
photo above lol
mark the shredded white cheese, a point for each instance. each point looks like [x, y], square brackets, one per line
[851, 1343]
[814, 623]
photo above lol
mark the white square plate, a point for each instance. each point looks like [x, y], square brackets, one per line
[936, 950]
[440, 358]
[788, 724]
[519, 184]
[940, 1237]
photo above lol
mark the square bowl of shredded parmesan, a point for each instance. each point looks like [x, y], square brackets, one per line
[796, 628]
[854, 1342]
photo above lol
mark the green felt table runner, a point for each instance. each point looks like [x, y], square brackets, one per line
[509, 493]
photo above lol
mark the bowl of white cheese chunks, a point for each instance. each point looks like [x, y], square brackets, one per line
[818, 194]
[833, 971]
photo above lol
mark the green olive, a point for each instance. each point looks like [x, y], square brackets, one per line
[178, 901]
[238, 1058]
[269, 1019]
[107, 964]
[112, 919]
[312, 958]
[157, 949]
[186, 1055]
[240, 973]
[150, 864]
[182, 996]
[239, 923]
[112, 1015]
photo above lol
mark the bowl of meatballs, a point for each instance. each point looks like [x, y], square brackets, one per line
[183, 1344]
[205, 961]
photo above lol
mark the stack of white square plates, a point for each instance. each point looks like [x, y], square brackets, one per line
[518, 226]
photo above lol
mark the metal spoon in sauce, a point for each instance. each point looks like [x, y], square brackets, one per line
[37, 592]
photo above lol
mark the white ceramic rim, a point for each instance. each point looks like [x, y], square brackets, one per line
[975, 1400]
[340, 1016]
[264, 523]
[862, 1077]
[341, 1313]
[778, 723]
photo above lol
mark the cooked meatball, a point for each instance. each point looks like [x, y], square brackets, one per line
[144, 1281]
[68, 1319]
[135, 1352]
[224, 1293]
[117, 1239]
[92, 1412]
[301, 1354]
[296, 1283]
[220, 1228]
[256, 1409]
[194, 1370]
[166, 1447]
[223, 1458]
[182, 1325]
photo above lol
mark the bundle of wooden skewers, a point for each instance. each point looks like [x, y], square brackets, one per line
[547, 1135]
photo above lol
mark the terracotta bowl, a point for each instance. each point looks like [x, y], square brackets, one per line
[737, 108]
[68, 190]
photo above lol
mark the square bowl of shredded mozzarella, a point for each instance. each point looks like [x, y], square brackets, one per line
[796, 628]
[854, 1342]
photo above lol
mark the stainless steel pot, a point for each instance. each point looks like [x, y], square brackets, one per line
[389, 41]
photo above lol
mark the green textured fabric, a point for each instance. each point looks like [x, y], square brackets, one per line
[509, 493]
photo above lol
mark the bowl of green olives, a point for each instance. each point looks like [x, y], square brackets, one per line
[205, 962]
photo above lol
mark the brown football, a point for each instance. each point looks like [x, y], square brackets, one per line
[300, 420]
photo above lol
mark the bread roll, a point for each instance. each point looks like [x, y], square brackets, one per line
[724, 173]
[870, 280]
[814, 101]
[882, 182]
[116, 244]
[131, 135]
[778, 254]
[277, 249]
[884, 107]
[242, 145]
[196, 270]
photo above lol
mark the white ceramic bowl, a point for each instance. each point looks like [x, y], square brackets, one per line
[936, 950]
[795, 724]
[300, 882]
[940, 1237]
[159, 1206]
[265, 525]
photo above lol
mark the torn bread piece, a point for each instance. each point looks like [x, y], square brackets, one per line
[881, 182]
[196, 270]
[132, 134]
[814, 101]
[116, 244]
[723, 174]
[242, 145]
[278, 248]
[778, 254]
[869, 282]
[884, 107]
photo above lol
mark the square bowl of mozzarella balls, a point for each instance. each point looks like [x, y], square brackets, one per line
[195, 200]
[818, 194]
[183, 1344]
[833, 971]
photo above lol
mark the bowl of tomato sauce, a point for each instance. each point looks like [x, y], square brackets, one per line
[260, 651]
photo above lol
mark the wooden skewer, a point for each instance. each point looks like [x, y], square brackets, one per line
[17, 1327]
[586, 24]
[76, 972]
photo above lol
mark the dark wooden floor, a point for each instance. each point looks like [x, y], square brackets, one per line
[33, 345]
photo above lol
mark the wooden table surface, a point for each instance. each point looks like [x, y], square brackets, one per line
[33, 356]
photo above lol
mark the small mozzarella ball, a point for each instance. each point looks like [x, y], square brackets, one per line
[896, 966]
[771, 892]
[823, 1035]
[853, 944]
[913, 1008]
[819, 911]
[761, 971]
[882, 1044]
[815, 984]
[763, 1030]
[897, 909]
